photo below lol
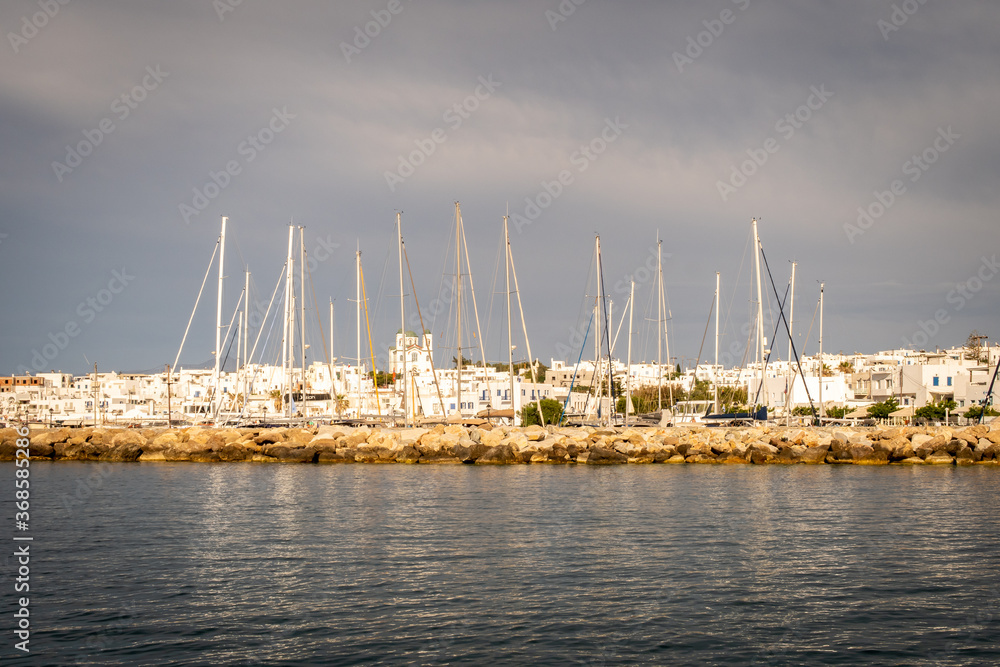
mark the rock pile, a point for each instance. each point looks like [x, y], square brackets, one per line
[509, 445]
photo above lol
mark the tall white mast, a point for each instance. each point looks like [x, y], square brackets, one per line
[246, 335]
[357, 366]
[791, 352]
[821, 410]
[715, 366]
[333, 387]
[402, 314]
[510, 342]
[302, 315]
[598, 357]
[760, 311]
[218, 317]
[628, 362]
[458, 305]
[659, 320]
[286, 342]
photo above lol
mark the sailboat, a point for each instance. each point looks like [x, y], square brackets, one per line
[760, 413]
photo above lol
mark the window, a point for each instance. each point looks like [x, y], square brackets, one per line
[413, 357]
[949, 380]
[937, 381]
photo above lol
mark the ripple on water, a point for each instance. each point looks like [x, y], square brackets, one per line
[189, 564]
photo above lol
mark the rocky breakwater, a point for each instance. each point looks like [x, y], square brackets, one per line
[508, 445]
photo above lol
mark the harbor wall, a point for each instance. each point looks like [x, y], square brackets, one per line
[481, 445]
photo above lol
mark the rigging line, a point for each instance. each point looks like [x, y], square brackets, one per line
[607, 333]
[809, 331]
[736, 284]
[472, 291]
[703, 336]
[371, 349]
[322, 335]
[423, 330]
[382, 280]
[259, 331]
[791, 342]
[441, 286]
[493, 293]
[222, 364]
[770, 350]
[218, 242]
[576, 370]
[527, 343]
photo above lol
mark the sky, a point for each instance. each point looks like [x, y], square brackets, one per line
[861, 135]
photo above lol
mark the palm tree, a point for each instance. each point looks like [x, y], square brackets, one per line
[845, 367]
[340, 404]
[275, 395]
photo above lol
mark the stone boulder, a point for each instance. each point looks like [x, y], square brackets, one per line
[815, 454]
[123, 452]
[128, 437]
[762, 452]
[233, 452]
[328, 456]
[406, 455]
[270, 435]
[500, 454]
[604, 455]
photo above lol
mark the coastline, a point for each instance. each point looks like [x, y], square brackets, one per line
[482, 445]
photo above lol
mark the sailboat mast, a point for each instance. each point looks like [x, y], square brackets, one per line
[628, 361]
[218, 315]
[246, 337]
[402, 314]
[821, 410]
[715, 369]
[659, 320]
[760, 309]
[791, 374]
[598, 356]
[510, 342]
[357, 361]
[302, 314]
[286, 342]
[458, 305]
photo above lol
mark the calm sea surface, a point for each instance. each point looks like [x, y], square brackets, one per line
[184, 564]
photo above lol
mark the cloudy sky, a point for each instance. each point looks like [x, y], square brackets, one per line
[862, 135]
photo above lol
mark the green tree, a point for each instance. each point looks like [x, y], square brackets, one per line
[976, 410]
[836, 411]
[936, 411]
[884, 409]
[551, 410]
[277, 398]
